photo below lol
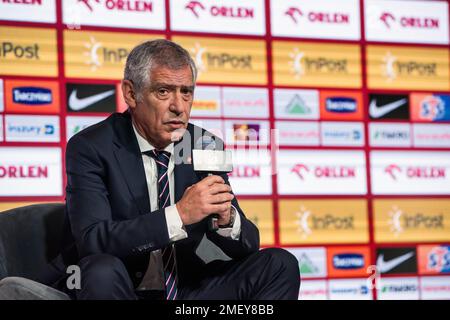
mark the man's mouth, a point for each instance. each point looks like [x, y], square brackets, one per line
[175, 123]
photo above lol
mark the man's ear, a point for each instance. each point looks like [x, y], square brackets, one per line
[129, 95]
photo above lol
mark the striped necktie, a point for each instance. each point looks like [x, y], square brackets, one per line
[168, 253]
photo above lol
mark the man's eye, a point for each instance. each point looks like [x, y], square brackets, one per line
[186, 92]
[163, 92]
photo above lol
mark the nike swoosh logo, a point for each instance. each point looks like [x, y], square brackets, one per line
[386, 266]
[379, 111]
[77, 104]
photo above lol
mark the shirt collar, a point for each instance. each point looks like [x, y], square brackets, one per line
[145, 146]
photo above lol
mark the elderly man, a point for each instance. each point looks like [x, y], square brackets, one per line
[137, 212]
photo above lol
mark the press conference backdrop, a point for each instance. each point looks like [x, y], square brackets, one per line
[358, 93]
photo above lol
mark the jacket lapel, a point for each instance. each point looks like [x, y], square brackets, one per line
[129, 159]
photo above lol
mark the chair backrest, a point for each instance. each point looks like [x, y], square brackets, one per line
[30, 237]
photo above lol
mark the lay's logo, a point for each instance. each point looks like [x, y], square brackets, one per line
[32, 95]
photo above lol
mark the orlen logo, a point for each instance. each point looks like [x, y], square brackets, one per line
[393, 68]
[15, 172]
[432, 172]
[302, 170]
[341, 105]
[317, 17]
[197, 7]
[98, 54]
[307, 222]
[302, 64]
[245, 171]
[30, 52]
[400, 221]
[348, 261]
[120, 5]
[409, 22]
[32, 95]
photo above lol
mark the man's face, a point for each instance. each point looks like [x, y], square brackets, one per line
[165, 106]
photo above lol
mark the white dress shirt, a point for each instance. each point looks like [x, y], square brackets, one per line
[154, 278]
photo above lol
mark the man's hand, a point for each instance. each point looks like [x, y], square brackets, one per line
[210, 195]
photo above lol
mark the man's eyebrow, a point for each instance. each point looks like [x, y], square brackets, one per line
[170, 86]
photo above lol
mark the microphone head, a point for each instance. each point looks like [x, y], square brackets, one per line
[212, 161]
[205, 142]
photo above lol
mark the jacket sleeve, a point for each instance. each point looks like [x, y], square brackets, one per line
[90, 214]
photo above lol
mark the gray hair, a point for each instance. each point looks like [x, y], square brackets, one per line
[160, 52]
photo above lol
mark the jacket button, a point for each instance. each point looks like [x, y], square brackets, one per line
[138, 274]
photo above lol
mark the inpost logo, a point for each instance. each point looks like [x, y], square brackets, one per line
[393, 67]
[225, 60]
[307, 222]
[316, 64]
[92, 54]
[399, 220]
[28, 51]
[205, 60]
[408, 68]
[302, 64]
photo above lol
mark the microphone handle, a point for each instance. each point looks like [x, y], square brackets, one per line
[213, 221]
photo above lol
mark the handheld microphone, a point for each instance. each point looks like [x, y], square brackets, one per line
[208, 162]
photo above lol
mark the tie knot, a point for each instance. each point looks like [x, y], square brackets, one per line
[160, 156]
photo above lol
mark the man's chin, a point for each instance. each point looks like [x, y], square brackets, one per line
[177, 134]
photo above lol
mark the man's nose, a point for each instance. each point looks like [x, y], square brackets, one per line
[176, 104]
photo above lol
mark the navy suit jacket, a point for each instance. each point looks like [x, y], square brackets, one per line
[108, 207]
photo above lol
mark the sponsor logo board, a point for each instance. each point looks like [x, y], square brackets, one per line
[407, 21]
[323, 221]
[245, 102]
[98, 55]
[426, 107]
[251, 172]
[411, 172]
[342, 133]
[2, 105]
[30, 171]
[296, 104]
[75, 124]
[28, 51]
[296, 18]
[383, 106]
[434, 259]
[247, 132]
[404, 288]
[348, 261]
[233, 16]
[316, 64]
[207, 102]
[321, 172]
[313, 290]
[390, 134]
[396, 260]
[32, 128]
[435, 288]
[408, 68]
[260, 213]
[411, 220]
[289, 133]
[431, 135]
[312, 262]
[144, 14]
[28, 10]
[341, 105]
[233, 61]
[24, 96]
[349, 289]
[91, 97]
